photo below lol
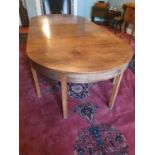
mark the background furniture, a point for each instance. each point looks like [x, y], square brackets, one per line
[114, 18]
[113, 13]
[129, 17]
[100, 9]
[116, 22]
[23, 15]
[65, 48]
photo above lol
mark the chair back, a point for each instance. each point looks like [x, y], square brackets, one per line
[129, 13]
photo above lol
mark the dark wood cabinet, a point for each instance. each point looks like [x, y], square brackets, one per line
[23, 15]
[101, 10]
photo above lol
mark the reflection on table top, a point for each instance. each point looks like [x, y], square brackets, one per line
[73, 44]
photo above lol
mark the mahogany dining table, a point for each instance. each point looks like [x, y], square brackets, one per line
[72, 49]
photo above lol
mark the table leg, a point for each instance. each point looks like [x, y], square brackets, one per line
[64, 95]
[116, 83]
[35, 77]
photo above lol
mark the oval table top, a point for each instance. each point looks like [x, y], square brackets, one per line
[73, 44]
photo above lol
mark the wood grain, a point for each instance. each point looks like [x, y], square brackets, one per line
[73, 44]
[64, 95]
[72, 49]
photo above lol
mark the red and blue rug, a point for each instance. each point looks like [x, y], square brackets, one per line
[91, 129]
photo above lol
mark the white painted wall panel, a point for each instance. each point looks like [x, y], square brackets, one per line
[118, 3]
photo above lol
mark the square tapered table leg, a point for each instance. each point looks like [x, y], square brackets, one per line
[116, 84]
[36, 82]
[64, 95]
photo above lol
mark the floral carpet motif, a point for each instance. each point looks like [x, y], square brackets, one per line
[100, 140]
[86, 111]
[132, 64]
[77, 90]
[41, 125]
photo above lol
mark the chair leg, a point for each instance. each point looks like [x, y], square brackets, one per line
[132, 32]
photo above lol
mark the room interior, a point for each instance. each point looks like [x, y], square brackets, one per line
[91, 127]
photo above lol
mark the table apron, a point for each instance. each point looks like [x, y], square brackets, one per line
[93, 77]
[80, 77]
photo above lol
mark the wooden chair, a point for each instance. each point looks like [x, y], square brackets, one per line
[116, 23]
[129, 18]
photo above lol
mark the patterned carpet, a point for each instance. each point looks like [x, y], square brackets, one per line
[91, 128]
[77, 91]
[132, 64]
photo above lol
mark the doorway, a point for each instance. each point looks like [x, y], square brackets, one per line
[56, 6]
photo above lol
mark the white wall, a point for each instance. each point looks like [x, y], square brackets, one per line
[39, 7]
[31, 8]
[118, 3]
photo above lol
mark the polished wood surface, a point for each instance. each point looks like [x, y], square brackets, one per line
[73, 49]
[64, 95]
[73, 44]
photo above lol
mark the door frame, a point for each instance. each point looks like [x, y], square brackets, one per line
[39, 7]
